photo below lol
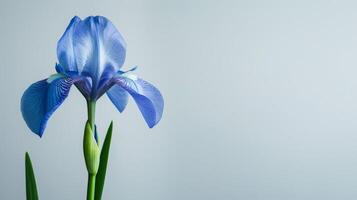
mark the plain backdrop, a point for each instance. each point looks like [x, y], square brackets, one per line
[260, 101]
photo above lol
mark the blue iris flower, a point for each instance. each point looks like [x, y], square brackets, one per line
[90, 55]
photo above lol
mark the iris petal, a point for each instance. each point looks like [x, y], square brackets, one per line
[118, 96]
[65, 51]
[41, 99]
[99, 48]
[147, 97]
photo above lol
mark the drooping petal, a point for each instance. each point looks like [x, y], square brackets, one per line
[118, 96]
[99, 48]
[65, 51]
[41, 99]
[147, 97]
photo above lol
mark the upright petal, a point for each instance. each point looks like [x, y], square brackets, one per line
[118, 96]
[41, 99]
[146, 96]
[65, 51]
[99, 48]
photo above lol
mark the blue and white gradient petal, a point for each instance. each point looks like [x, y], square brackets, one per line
[118, 96]
[65, 51]
[147, 97]
[41, 99]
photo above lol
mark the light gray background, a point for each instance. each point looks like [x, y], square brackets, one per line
[260, 101]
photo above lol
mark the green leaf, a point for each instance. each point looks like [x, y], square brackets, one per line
[31, 189]
[100, 178]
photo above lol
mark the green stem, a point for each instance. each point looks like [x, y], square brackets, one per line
[91, 187]
[91, 113]
[91, 177]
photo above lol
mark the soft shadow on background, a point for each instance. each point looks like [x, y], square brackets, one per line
[260, 101]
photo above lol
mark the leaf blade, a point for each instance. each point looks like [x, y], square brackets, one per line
[104, 155]
[31, 189]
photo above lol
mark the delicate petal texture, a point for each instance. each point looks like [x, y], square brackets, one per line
[118, 96]
[146, 96]
[99, 49]
[84, 85]
[93, 48]
[41, 99]
[65, 51]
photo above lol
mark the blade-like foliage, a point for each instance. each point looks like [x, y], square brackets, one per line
[31, 189]
[100, 178]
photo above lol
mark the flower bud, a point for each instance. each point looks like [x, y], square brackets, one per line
[91, 150]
